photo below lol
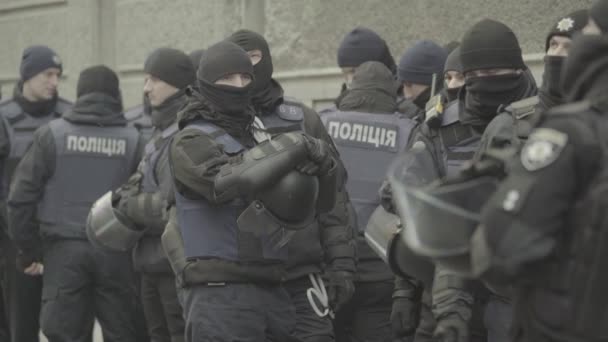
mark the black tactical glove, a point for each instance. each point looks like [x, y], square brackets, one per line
[319, 154]
[407, 305]
[451, 328]
[405, 316]
[340, 288]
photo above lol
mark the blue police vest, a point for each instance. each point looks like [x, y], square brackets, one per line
[90, 160]
[211, 231]
[367, 144]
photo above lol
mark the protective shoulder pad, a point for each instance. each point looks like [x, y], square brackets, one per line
[11, 111]
[522, 108]
[291, 110]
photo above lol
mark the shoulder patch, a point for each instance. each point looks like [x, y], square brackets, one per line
[523, 108]
[542, 148]
[290, 112]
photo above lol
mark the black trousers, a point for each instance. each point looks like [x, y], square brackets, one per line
[81, 284]
[22, 294]
[309, 326]
[164, 315]
[238, 312]
[367, 316]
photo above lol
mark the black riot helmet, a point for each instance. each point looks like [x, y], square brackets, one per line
[290, 204]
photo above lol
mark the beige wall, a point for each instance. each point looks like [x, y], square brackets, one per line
[303, 34]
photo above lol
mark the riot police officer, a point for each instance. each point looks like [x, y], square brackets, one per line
[327, 247]
[542, 231]
[234, 218]
[72, 161]
[359, 46]
[35, 102]
[416, 69]
[367, 130]
[513, 125]
[144, 199]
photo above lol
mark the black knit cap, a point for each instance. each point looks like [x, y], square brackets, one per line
[420, 61]
[37, 58]
[599, 14]
[568, 25]
[452, 63]
[98, 79]
[171, 66]
[195, 57]
[362, 45]
[221, 59]
[490, 44]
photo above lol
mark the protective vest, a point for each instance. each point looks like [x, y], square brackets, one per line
[90, 160]
[21, 127]
[367, 144]
[210, 230]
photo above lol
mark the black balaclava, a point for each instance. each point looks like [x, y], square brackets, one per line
[567, 26]
[372, 89]
[222, 59]
[491, 44]
[585, 65]
[453, 63]
[266, 94]
[599, 13]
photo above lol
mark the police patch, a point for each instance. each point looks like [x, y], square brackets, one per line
[542, 148]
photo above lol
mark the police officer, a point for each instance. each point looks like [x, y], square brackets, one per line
[453, 78]
[34, 103]
[232, 211]
[71, 162]
[359, 46]
[519, 117]
[416, 69]
[327, 246]
[143, 200]
[544, 226]
[367, 131]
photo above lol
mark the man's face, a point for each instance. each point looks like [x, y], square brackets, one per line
[412, 90]
[559, 46]
[491, 72]
[453, 79]
[43, 86]
[591, 28]
[349, 73]
[157, 91]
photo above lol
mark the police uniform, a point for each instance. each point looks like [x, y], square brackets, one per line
[22, 292]
[329, 241]
[537, 231]
[71, 162]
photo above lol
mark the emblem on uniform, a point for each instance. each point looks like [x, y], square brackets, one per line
[542, 148]
[565, 25]
[56, 60]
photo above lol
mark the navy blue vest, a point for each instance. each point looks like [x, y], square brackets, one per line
[211, 231]
[367, 144]
[90, 160]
